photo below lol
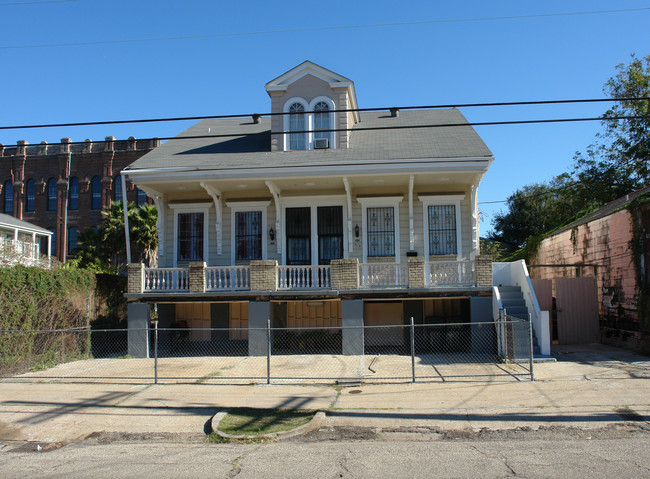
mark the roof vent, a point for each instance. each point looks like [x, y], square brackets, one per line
[394, 112]
[256, 117]
[321, 143]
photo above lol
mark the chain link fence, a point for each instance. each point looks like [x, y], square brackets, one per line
[396, 353]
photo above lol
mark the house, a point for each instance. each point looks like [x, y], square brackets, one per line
[20, 243]
[319, 214]
[63, 187]
[609, 246]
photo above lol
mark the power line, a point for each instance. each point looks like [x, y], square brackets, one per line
[316, 29]
[248, 115]
[379, 128]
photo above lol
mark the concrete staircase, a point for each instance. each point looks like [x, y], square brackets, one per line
[513, 302]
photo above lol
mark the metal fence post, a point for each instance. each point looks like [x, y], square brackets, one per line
[155, 351]
[268, 351]
[412, 349]
[530, 344]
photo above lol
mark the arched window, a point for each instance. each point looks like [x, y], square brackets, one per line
[8, 197]
[73, 194]
[95, 193]
[140, 197]
[30, 201]
[117, 188]
[297, 141]
[321, 120]
[51, 194]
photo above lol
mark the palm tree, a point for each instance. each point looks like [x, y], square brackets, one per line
[144, 232]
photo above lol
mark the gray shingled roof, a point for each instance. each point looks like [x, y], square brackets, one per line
[366, 147]
[8, 220]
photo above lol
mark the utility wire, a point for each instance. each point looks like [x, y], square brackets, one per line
[377, 128]
[248, 115]
[316, 29]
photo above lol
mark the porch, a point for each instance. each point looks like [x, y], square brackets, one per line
[342, 274]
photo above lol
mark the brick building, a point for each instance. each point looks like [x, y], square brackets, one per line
[63, 187]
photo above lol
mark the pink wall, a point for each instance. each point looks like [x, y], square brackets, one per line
[602, 242]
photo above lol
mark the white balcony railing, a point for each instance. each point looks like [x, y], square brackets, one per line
[304, 277]
[383, 275]
[166, 279]
[450, 273]
[223, 278]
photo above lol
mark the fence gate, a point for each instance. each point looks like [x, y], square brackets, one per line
[577, 310]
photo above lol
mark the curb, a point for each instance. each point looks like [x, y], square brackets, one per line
[315, 422]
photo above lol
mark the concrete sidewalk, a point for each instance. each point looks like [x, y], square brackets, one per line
[588, 387]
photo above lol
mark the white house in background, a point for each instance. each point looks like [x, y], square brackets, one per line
[316, 215]
[20, 243]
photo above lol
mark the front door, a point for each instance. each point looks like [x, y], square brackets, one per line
[327, 244]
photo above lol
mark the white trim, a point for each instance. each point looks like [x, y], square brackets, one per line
[216, 198]
[192, 208]
[430, 200]
[313, 202]
[275, 191]
[245, 206]
[412, 165]
[348, 196]
[380, 202]
[411, 224]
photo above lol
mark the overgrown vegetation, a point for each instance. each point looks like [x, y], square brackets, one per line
[33, 300]
[637, 246]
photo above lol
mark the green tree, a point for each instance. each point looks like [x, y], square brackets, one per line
[614, 165]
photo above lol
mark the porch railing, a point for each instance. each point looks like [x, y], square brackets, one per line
[304, 277]
[227, 278]
[383, 274]
[166, 279]
[450, 273]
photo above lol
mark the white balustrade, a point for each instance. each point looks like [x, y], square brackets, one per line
[304, 277]
[223, 278]
[450, 273]
[383, 274]
[166, 279]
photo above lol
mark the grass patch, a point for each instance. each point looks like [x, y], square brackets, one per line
[254, 422]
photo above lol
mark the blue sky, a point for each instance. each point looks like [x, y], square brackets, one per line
[431, 58]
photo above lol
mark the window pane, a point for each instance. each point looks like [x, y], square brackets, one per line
[381, 231]
[321, 120]
[442, 230]
[72, 239]
[73, 194]
[9, 197]
[51, 194]
[140, 197]
[248, 234]
[117, 188]
[330, 233]
[297, 123]
[96, 193]
[298, 235]
[30, 203]
[190, 236]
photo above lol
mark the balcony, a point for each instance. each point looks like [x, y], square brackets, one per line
[343, 274]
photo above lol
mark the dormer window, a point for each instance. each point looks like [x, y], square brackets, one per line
[311, 122]
[297, 141]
